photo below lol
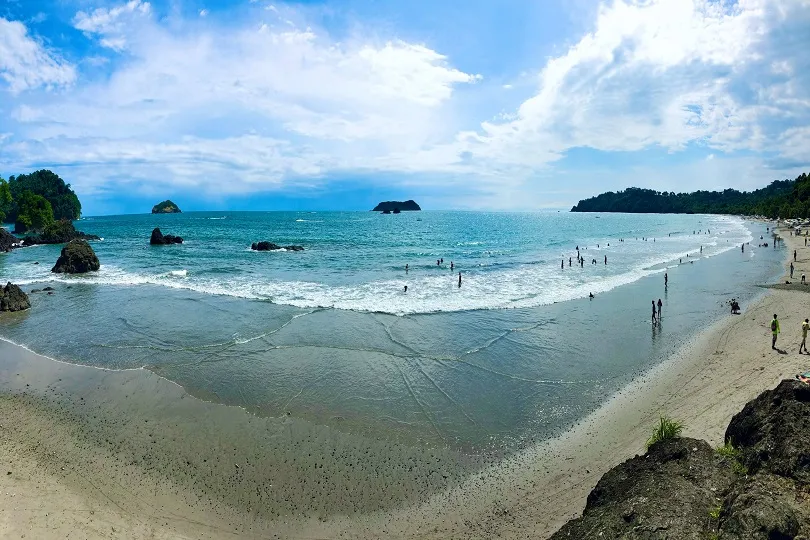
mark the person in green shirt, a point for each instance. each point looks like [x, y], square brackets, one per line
[805, 327]
[774, 330]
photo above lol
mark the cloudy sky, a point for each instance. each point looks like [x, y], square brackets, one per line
[469, 104]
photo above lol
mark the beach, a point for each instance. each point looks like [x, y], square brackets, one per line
[64, 484]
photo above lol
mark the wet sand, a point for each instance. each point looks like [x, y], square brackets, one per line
[88, 464]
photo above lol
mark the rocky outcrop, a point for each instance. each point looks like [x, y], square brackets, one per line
[269, 246]
[77, 258]
[7, 240]
[165, 207]
[159, 239]
[397, 207]
[12, 298]
[681, 488]
[59, 232]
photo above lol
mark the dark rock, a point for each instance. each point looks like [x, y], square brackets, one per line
[386, 211]
[59, 232]
[771, 431]
[165, 207]
[763, 507]
[12, 298]
[34, 291]
[48, 289]
[158, 238]
[666, 493]
[404, 206]
[7, 240]
[269, 246]
[77, 258]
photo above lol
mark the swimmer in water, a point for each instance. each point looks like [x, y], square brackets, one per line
[406, 288]
[459, 280]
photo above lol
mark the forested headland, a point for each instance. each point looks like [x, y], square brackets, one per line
[34, 201]
[781, 199]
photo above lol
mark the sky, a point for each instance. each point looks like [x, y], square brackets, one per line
[458, 104]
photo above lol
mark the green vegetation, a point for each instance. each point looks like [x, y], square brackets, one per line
[714, 513]
[165, 207]
[33, 201]
[728, 452]
[781, 199]
[34, 212]
[667, 429]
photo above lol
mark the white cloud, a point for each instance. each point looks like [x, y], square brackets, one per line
[25, 63]
[112, 24]
[203, 12]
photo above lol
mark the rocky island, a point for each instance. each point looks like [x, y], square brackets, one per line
[160, 239]
[396, 207]
[166, 207]
[76, 258]
[270, 246]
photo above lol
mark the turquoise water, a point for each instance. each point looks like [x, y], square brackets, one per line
[516, 354]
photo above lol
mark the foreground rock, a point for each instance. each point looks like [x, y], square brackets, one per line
[396, 207]
[269, 246]
[681, 488]
[12, 298]
[158, 238]
[59, 232]
[77, 258]
[7, 240]
[166, 207]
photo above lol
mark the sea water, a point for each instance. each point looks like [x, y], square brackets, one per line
[516, 354]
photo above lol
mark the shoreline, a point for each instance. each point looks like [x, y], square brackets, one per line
[702, 385]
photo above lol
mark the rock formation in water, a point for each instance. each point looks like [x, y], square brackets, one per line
[682, 488]
[77, 258]
[12, 298]
[393, 206]
[159, 239]
[269, 246]
[58, 232]
[165, 207]
[7, 240]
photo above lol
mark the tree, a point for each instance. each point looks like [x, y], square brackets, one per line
[34, 212]
[63, 200]
[5, 199]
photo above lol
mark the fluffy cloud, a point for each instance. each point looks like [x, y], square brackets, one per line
[26, 63]
[112, 25]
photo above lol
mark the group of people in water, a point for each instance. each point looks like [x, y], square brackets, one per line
[439, 262]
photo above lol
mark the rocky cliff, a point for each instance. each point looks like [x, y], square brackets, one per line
[758, 487]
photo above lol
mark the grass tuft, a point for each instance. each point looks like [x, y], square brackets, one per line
[727, 451]
[667, 429]
[714, 513]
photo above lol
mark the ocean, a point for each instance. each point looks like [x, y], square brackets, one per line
[328, 336]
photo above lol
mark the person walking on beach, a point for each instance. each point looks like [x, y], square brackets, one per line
[654, 316]
[774, 330]
[659, 308]
[805, 327]
[459, 280]
[794, 255]
[791, 270]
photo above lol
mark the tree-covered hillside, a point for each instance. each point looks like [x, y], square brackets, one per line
[782, 198]
[32, 201]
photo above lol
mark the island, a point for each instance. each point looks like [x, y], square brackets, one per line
[165, 207]
[396, 207]
[781, 199]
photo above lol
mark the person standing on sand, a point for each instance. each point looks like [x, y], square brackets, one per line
[805, 327]
[774, 330]
[659, 308]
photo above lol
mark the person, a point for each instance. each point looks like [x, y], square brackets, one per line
[666, 279]
[406, 268]
[459, 280]
[605, 259]
[791, 270]
[654, 318]
[805, 242]
[794, 255]
[701, 249]
[743, 248]
[562, 264]
[451, 266]
[803, 282]
[569, 261]
[441, 260]
[437, 262]
[659, 308]
[774, 330]
[406, 288]
[590, 295]
[582, 262]
[805, 327]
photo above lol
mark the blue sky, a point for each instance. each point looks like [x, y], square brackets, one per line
[520, 104]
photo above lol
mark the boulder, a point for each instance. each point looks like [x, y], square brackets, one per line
[158, 238]
[269, 246]
[666, 493]
[12, 298]
[7, 240]
[77, 258]
[771, 431]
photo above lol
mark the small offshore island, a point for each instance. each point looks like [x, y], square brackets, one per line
[166, 207]
[387, 207]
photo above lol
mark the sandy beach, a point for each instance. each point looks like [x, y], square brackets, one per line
[55, 484]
